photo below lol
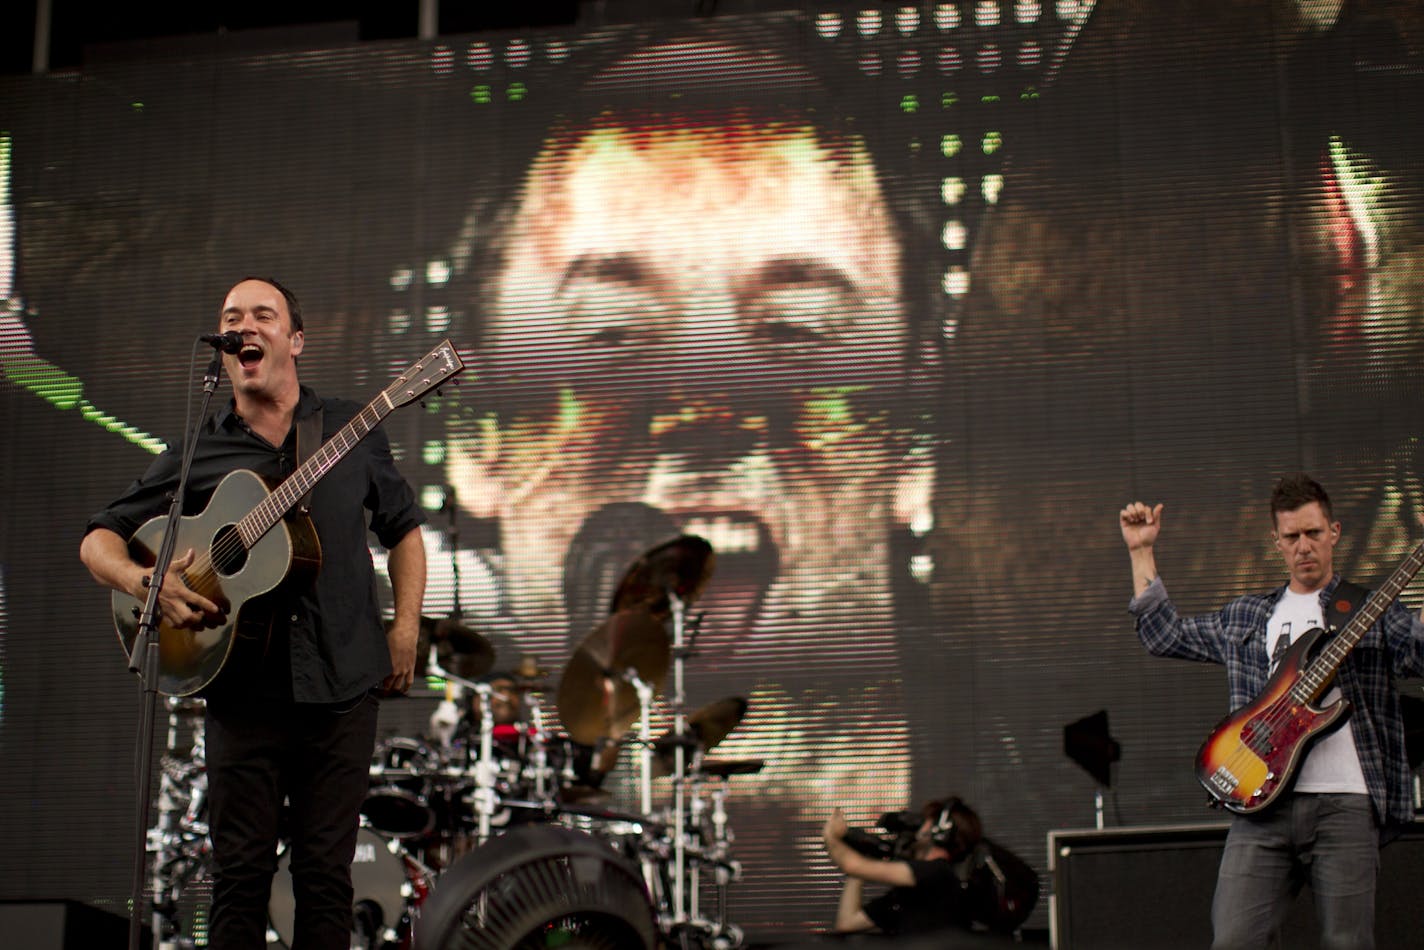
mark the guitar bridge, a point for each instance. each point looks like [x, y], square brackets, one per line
[1224, 781]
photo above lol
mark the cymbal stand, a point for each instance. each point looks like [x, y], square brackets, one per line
[727, 870]
[540, 753]
[679, 769]
[645, 740]
[645, 765]
[484, 768]
[486, 798]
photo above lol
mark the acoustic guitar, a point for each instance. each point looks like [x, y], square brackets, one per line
[249, 541]
[1252, 755]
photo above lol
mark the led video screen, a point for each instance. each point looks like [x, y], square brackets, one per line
[893, 306]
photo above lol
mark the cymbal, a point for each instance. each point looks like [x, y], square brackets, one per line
[721, 768]
[462, 651]
[683, 565]
[705, 728]
[595, 701]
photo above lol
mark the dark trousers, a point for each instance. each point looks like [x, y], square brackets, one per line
[319, 760]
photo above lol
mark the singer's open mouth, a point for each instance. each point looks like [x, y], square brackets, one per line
[249, 355]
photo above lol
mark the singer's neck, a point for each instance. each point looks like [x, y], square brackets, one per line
[269, 414]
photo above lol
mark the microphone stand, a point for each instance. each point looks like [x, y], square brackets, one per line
[143, 660]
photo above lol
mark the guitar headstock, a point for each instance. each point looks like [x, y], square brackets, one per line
[434, 368]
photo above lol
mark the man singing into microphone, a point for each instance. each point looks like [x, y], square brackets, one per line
[293, 718]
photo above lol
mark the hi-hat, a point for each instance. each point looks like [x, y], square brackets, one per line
[682, 565]
[705, 728]
[596, 700]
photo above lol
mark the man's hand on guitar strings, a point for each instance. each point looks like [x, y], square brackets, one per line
[180, 605]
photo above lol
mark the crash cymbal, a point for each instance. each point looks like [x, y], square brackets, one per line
[705, 728]
[682, 565]
[721, 768]
[595, 700]
[462, 652]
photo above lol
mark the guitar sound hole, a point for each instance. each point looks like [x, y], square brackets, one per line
[229, 555]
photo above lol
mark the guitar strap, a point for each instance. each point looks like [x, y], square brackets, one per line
[1344, 602]
[308, 441]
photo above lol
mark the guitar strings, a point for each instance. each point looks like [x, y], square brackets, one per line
[202, 574]
[1278, 711]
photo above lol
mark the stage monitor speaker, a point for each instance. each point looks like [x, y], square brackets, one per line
[1150, 888]
[63, 925]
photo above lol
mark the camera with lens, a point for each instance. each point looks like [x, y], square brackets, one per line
[894, 841]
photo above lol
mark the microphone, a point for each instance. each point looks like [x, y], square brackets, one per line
[229, 342]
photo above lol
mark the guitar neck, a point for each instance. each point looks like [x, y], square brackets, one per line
[1322, 669]
[275, 506]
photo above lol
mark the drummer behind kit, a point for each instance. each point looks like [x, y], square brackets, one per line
[493, 831]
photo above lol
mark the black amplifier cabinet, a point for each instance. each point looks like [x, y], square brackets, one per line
[1149, 888]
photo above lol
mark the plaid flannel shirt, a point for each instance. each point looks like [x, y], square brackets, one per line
[1236, 637]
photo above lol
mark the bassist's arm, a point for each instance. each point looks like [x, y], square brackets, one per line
[1140, 525]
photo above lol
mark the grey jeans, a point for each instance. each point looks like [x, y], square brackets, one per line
[1328, 840]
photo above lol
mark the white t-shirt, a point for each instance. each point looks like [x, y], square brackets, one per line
[1332, 764]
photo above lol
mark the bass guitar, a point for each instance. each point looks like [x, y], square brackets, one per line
[1252, 755]
[239, 557]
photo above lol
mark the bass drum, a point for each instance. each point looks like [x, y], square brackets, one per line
[539, 886]
[381, 879]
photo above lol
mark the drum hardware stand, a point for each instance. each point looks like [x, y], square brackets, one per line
[679, 771]
[486, 799]
[724, 934]
[644, 690]
[485, 803]
[540, 753]
[178, 847]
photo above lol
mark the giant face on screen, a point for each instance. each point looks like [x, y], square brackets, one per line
[694, 322]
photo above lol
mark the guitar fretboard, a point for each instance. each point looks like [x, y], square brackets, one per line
[1322, 669]
[271, 509]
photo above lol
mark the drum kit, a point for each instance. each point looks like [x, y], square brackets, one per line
[495, 831]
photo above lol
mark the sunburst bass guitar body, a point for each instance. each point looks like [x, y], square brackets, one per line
[1252, 755]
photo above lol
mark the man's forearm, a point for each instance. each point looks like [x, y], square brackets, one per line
[850, 914]
[1144, 569]
[407, 569]
[106, 555]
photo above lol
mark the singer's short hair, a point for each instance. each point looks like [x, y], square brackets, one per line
[294, 306]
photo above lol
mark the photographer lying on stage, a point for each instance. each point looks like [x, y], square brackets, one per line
[943, 873]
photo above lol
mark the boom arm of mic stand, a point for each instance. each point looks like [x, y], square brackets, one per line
[143, 659]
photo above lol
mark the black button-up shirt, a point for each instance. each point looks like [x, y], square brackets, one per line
[328, 643]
